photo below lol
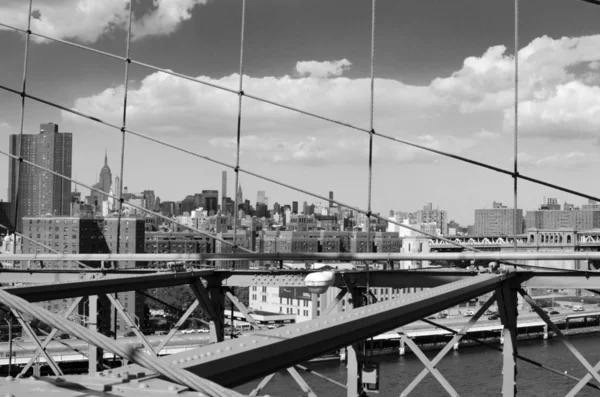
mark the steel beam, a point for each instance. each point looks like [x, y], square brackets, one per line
[457, 337]
[429, 365]
[48, 339]
[506, 295]
[125, 316]
[234, 362]
[40, 293]
[484, 256]
[178, 324]
[25, 325]
[592, 371]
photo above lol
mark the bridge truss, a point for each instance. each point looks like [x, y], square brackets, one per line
[212, 369]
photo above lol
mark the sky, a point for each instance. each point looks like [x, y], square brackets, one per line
[444, 78]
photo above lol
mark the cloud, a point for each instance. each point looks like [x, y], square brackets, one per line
[337, 149]
[486, 135]
[569, 160]
[323, 69]
[88, 20]
[166, 104]
[573, 112]
[486, 83]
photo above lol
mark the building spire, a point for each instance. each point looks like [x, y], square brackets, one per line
[105, 158]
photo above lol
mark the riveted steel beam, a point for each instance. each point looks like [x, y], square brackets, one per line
[236, 361]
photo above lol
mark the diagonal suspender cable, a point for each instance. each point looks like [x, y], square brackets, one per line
[239, 130]
[21, 124]
[153, 363]
[161, 216]
[516, 127]
[123, 129]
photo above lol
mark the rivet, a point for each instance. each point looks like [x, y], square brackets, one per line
[254, 341]
[174, 362]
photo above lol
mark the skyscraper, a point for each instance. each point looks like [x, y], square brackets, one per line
[104, 182]
[223, 190]
[330, 199]
[39, 192]
[260, 197]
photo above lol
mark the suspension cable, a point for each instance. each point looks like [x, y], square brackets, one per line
[17, 164]
[516, 126]
[239, 133]
[123, 134]
[371, 133]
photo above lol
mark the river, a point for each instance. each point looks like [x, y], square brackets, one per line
[472, 371]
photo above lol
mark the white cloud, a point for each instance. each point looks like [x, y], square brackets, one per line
[487, 83]
[323, 69]
[164, 103]
[569, 160]
[88, 20]
[334, 148]
[573, 112]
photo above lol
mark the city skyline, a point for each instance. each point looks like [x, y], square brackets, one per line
[456, 99]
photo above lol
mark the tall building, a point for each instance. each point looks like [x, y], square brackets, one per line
[240, 196]
[430, 215]
[210, 201]
[330, 199]
[40, 192]
[498, 221]
[294, 207]
[260, 197]
[104, 183]
[223, 189]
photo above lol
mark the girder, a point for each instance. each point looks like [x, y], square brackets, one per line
[316, 256]
[236, 361]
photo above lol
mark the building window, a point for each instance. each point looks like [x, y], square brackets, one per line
[264, 298]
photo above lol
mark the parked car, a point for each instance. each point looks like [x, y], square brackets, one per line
[188, 331]
[469, 313]
[129, 334]
[442, 315]
[554, 312]
[578, 308]
[495, 316]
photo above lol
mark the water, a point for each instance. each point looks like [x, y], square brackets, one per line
[472, 371]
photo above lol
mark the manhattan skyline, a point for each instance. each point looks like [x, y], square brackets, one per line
[442, 84]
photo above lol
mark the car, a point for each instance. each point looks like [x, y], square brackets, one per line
[188, 331]
[494, 316]
[469, 313]
[431, 318]
[129, 334]
[554, 312]
[489, 312]
[578, 308]
[204, 330]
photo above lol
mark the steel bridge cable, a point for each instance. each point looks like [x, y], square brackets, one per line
[239, 131]
[293, 109]
[153, 363]
[21, 124]
[126, 87]
[371, 132]
[516, 126]
[128, 203]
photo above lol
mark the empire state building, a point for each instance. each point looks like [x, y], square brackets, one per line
[104, 183]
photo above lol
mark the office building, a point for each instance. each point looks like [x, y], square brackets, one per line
[294, 207]
[498, 221]
[223, 189]
[330, 199]
[73, 235]
[260, 197]
[39, 192]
